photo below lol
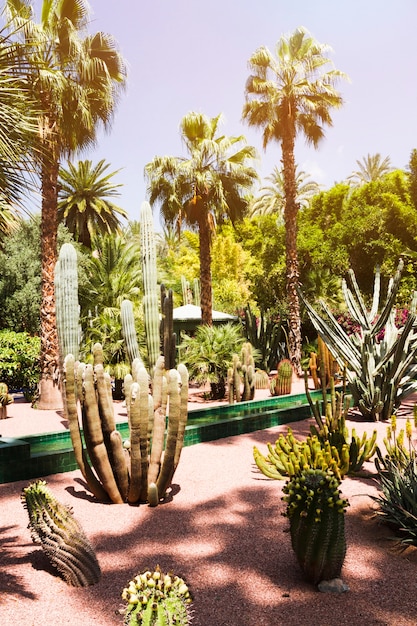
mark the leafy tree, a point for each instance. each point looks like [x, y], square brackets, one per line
[205, 188]
[413, 177]
[20, 276]
[288, 94]
[19, 365]
[371, 168]
[85, 205]
[271, 198]
[74, 79]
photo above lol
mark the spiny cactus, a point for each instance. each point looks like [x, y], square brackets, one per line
[66, 295]
[168, 337]
[331, 426]
[157, 599]
[53, 526]
[282, 382]
[150, 287]
[242, 371]
[5, 399]
[290, 456]
[381, 371]
[316, 512]
[146, 472]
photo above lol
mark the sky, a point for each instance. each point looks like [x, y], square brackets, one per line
[192, 55]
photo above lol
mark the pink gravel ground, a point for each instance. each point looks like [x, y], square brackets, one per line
[223, 531]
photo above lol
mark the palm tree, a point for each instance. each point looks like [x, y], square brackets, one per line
[205, 188]
[286, 95]
[371, 168]
[74, 79]
[271, 198]
[84, 204]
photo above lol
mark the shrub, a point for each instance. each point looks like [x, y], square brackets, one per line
[19, 365]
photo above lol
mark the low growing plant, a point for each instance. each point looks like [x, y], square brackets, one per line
[157, 599]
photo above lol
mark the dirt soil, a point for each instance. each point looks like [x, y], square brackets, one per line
[223, 531]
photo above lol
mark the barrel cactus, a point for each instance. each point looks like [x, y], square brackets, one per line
[316, 512]
[282, 382]
[54, 527]
[157, 599]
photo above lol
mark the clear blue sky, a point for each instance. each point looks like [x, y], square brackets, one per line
[191, 55]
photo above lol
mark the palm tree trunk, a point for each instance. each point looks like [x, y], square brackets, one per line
[291, 255]
[49, 390]
[205, 268]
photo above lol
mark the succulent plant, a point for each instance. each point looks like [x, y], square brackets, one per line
[66, 295]
[157, 599]
[316, 512]
[282, 382]
[380, 359]
[150, 286]
[53, 526]
[242, 371]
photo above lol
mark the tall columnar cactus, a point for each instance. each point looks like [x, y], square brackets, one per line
[316, 512]
[157, 599]
[380, 359]
[168, 337]
[146, 471]
[66, 296]
[53, 526]
[150, 286]
[282, 382]
[128, 330]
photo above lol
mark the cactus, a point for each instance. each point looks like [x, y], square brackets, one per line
[168, 337]
[53, 525]
[150, 287]
[128, 330]
[316, 512]
[242, 371]
[282, 382]
[261, 379]
[146, 472]
[66, 296]
[381, 371]
[5, 399]
[290, 456]
[331, 426]
[157, 599]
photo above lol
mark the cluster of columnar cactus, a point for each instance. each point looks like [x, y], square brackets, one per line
[61, 537]
[316, 512]
[241, 373]
[145, 472]
[157, 599]
[380, 358]
[66, 296]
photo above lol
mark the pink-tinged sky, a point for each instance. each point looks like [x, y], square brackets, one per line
[191, 55]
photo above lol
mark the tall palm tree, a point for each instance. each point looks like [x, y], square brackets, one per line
[84, 200]
[271, 198]
[74, 79]
[206, 187]
[289, 94]
[371, 168]
[18, 130]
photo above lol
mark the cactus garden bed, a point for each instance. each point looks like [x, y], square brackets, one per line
[224, 533]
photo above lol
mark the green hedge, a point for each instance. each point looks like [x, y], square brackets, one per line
[19, 361]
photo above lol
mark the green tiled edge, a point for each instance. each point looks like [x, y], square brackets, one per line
[22, 458]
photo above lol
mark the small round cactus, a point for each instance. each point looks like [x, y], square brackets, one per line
[317, 523]
[155, 598]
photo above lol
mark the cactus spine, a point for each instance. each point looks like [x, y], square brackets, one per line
[66, 295]
[150, 287]
[53, 526]
[157, 599]
[316, 512]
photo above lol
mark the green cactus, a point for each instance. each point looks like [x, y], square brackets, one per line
[381, 372]
[67, 307]
[282, 382]
[242, 371]
[261, 379]
[150, 287]
[316, 512]
[157, 599]
[54, 527]
[331, 426]
[168, 337]
[289, 456]
[128, 330]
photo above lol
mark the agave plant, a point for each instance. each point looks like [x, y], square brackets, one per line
[380, 358]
